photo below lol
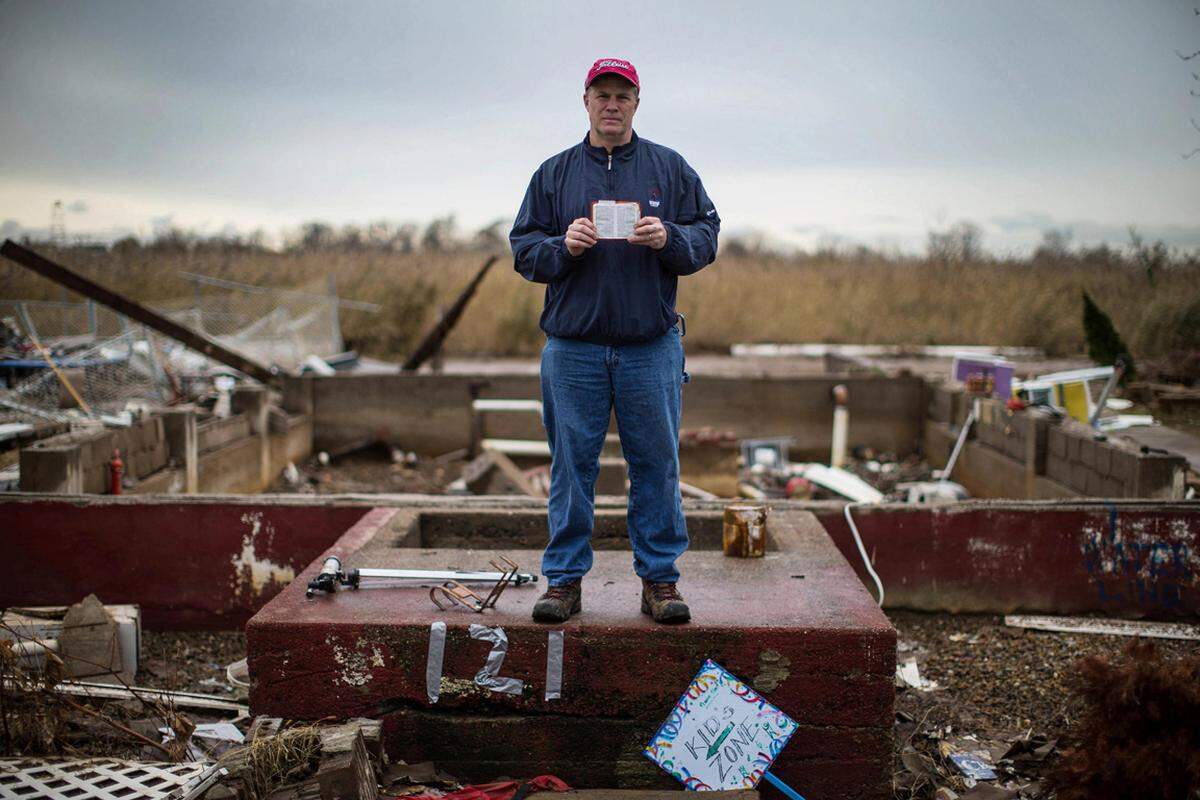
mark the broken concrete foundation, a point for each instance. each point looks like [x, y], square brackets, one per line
[797, 624]
[178, 451]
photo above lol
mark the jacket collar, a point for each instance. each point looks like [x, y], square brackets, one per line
[621, 152]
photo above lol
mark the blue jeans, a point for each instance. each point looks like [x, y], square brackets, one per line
[582, 384]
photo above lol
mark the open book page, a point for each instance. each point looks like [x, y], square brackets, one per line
[615, 219]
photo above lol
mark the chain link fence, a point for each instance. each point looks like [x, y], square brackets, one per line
[109, 361]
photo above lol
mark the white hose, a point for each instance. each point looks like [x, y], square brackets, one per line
[863, 551]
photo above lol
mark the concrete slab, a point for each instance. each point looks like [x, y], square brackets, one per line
[797, 624]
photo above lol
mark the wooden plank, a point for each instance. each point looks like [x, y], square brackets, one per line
[102, 691]
[1108, 627]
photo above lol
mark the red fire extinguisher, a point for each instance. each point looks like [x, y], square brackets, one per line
[115, 468]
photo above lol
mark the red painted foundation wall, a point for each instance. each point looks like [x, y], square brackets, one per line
[195, 564]
[1127, 558]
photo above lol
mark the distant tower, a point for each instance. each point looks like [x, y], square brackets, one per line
[58, 225]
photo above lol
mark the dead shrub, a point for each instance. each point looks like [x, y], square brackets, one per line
[1139, 734]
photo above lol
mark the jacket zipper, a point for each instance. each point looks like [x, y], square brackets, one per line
[610, 162]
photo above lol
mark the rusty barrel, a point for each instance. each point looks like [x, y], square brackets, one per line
[745, 530]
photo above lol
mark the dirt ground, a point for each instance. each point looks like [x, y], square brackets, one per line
[373, 470]
[997, 684]
[192, 661]
[1001, 690]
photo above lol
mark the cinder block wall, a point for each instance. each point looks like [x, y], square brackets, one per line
[1033, 454]
[1111, 468]
[431, 413]
[228, 451]
[79, 461]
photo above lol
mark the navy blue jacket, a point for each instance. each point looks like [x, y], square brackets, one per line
[614, 292]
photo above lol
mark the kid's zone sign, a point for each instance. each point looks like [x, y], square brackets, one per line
[722, 735]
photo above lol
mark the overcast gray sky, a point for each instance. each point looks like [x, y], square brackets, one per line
[867, 122]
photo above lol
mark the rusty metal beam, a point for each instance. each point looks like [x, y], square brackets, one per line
[123, 305]
[433, 340]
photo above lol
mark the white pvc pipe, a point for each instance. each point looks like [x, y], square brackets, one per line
[841, 427]
[962, 439]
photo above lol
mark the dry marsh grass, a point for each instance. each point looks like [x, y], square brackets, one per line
[741, 298]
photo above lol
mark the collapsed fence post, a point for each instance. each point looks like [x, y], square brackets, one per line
[433, 340]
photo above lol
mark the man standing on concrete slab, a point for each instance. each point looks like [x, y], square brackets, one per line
[609, 225]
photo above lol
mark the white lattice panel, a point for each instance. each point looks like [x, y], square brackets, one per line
[91, 779]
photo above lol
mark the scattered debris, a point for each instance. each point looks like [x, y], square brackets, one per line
[492, 472]
[123, 305]
[372, 468]
[94, 641]
[1003, 690]
[283, 762]
[238, 674]
[975, 764]
[926, 492]
[104, 691]
[1123, 422]
[208, 739]
[908, 674]
[1107, 627]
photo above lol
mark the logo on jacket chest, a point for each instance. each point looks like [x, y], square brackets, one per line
[655, 197]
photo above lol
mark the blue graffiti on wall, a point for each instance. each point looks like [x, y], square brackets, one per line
[1133, 568]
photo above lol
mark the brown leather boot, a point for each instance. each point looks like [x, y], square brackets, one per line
[664, 602]
[559, 603]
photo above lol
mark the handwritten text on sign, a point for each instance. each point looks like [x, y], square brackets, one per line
[721, 734]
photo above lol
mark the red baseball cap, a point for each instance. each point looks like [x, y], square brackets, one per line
[617, 66]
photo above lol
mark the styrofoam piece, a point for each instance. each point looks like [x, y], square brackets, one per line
[908, 674]
[933, 492]
[1122, 422]
[318, 365]
[847, 484]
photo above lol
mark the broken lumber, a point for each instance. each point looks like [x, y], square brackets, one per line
[494, 473]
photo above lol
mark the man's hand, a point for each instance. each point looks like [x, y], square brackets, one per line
[580, 236]
[649, 231]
